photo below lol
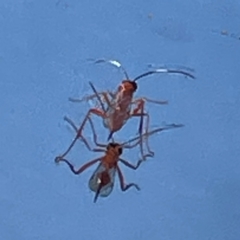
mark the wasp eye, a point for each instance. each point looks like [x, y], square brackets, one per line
[120, 150]
[112, 145]
[134, 85]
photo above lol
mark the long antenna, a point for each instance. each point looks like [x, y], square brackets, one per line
[114, 63]
[164, 70]
[147, 134]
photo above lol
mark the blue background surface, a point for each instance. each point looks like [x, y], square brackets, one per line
[190, 189]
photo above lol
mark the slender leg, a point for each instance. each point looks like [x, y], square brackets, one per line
[139, 111]
[79, 132]
[161, 102]
[83, 138]
[95, 135]
[144, 99]
[112, 94]
[81, 169]
[140, 106]
[147, 138]
[142, 115]
[124, 186]
[101, 96]
[98, 97]
[141, 139]
[146, 115]
[126, 163]
[86, 98]
[105, 97]
[137, 140]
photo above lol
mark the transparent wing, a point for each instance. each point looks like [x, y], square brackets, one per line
[102, 174]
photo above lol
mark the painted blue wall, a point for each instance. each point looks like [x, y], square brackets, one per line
[190, 189]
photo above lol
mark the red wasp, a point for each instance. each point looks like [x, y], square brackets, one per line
[120, 104]
[102, 180]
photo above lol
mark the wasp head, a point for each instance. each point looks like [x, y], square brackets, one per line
[129, 85]
[115, 147]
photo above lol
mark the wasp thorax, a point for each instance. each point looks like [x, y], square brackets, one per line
[130, 85]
